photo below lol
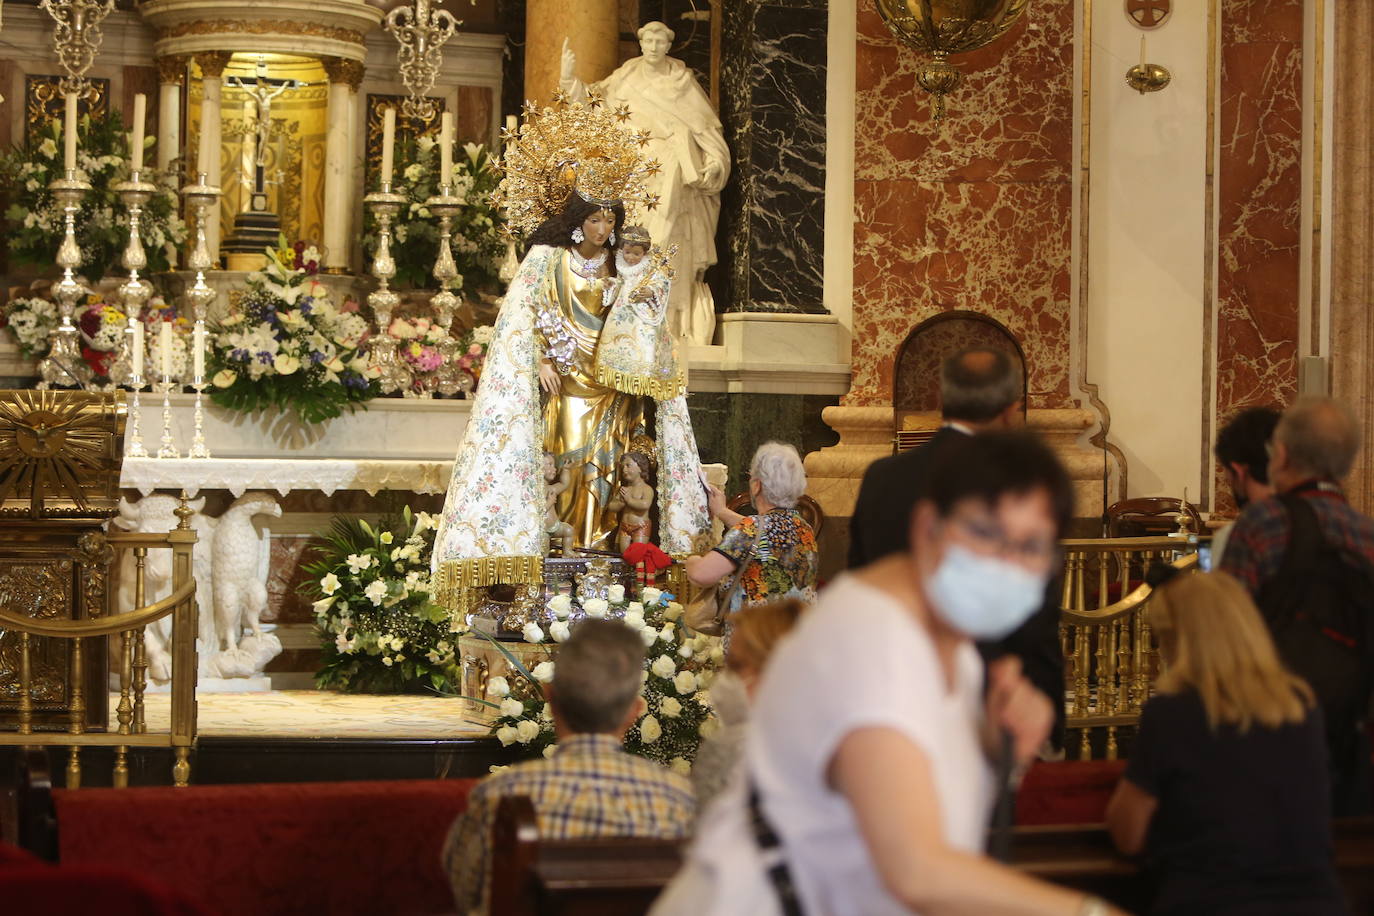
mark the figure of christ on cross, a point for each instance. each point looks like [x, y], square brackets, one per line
[262, 91]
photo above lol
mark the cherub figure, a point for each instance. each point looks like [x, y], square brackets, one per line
[633, 500]
[556, 481]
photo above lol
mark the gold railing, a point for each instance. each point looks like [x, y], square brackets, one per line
[129, 728]
[1109, 651]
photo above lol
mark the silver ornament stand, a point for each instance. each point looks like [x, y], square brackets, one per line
[447, 379]
[133, 296]
[63, 364]
[200, 197]
[392, 374]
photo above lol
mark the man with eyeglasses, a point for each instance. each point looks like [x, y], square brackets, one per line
[980, 390]
[1307, 557]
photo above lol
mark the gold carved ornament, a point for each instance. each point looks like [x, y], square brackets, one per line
[572, 148]
[260, 27]
[944, 27]
[44, 102]
[60, 453]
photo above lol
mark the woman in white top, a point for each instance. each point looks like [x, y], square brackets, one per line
[869, 758]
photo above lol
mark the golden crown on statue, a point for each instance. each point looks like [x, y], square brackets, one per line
[572, 148]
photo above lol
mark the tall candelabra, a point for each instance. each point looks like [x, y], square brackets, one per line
[64, 362]
[449, 377]
[133, 295]
[200, 197]
[420, 31]
[393, 375]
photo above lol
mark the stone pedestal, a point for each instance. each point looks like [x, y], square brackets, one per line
[867, 433]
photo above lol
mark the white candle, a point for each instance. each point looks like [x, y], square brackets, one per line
[140, 112]
[164, 346]
[388, 143]
[198, 339]
[69, 159]
[136, 356]
[1142, 50]
[446, 148]
[512, 123]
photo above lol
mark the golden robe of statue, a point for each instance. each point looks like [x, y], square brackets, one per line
[587, 426]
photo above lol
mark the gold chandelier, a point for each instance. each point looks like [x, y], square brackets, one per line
[944, 27]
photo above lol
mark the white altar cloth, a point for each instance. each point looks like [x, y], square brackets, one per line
[282, 475]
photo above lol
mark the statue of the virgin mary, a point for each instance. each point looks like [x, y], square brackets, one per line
[571, 172]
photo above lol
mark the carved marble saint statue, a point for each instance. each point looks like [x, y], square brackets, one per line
[665, 100]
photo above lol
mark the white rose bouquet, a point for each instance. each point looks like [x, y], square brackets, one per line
[287, 345]
[677, 672]
[379, 627]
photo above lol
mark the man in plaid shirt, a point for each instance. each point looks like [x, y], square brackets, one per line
[1313, 448]
[590, 787]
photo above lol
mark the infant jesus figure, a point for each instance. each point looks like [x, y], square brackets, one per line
[635, 353]
[556, 481]
[633, 501]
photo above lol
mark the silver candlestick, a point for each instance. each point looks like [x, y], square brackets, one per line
[133, 447]
[200, 197]
[393, 375]
[168, 446]
[135, 291]
[448, 378]
[63, 364]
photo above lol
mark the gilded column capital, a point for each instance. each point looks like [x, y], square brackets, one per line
[212, 63]
[171, 69]
[343, 70]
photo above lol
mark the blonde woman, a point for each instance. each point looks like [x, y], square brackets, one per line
[1227, 790]
[757, 630]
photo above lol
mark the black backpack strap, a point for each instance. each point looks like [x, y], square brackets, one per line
[1282, 595]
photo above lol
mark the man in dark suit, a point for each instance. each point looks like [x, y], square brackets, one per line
[980, 389]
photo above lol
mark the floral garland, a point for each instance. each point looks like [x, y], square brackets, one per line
[286, 345]
[478, 244]
[379, 628]
[35, 221]
[679, 667]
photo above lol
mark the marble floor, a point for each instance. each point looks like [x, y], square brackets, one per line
[320, 714]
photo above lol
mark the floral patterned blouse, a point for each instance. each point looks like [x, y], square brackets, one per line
[780, 563]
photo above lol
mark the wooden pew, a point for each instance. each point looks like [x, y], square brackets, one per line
[606, 877]
[619, 877]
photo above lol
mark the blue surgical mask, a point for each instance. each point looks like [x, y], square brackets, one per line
[984, 597]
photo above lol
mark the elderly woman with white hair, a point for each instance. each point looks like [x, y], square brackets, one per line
[770, 555]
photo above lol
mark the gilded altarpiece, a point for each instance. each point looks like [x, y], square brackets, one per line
[43, 102]
[60, 454]
[295, 152]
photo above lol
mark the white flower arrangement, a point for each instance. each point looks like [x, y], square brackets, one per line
[677, 710]
[379, 627]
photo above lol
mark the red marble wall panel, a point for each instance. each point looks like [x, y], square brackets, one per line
[1259, 204]
[970, 213]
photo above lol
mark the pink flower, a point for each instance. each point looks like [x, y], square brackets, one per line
[464, 362]
[475, 350]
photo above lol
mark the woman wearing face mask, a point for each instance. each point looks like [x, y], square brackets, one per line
[868, 777]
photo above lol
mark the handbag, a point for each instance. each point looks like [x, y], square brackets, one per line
[706, 608]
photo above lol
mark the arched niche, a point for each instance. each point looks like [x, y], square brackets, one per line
[916, 374]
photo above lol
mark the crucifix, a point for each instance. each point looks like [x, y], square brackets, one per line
[262, 91]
